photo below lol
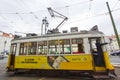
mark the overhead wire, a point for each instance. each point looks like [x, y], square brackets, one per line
[31, 12]
[34, 15]
[116, 4]
[21, 7]
[74, 4]
[42, 9]
[19, 16]
[98, 15]
[45, 10]
[3, 17]
[29, 9]
[115, 9]
[56, 7]
[89, 17]
[16, 13]
[90, 4]
[19, 13]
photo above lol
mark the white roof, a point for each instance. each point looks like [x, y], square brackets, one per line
[59, 36]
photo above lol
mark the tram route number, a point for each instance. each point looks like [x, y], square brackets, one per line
[29, 61]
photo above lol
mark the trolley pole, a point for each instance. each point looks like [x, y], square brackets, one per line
[113, 23]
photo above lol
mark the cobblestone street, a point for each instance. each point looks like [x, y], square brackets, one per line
[3, 63]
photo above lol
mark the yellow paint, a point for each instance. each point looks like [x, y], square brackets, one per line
[69, 62]
[82, 62]
[8, 63]
[31, 62]
[79, 58]
[100, 69]
[109, 66]
[76, 66]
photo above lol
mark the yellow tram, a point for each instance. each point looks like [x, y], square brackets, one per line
[74, 51]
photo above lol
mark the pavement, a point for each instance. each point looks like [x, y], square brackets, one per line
[116, 65]
[3, 63]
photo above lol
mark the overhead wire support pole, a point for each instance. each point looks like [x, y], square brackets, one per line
[114, 26]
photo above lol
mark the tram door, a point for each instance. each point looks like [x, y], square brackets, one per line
[12, 55]
[97, 52]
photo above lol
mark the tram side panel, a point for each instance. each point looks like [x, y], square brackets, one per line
[66, 62]
[31, 62]
[78, 62]
[108, 65]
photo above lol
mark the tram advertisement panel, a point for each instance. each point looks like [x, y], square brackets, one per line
[54, 62]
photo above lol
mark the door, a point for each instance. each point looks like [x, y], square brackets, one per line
[12, 55]
[97, 52]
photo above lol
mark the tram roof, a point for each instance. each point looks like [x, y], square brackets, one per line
[71, 35]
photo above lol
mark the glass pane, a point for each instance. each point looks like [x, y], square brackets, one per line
[67, 49]
[42, 47]
[28, 48]
[13, 48]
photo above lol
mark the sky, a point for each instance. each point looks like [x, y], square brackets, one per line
[25, 16]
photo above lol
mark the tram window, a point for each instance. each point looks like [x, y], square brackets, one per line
[28, 48]
[74, 48]
[77, 46]
[94, 46]
[42, 47]
[53, 47]
[67, 49]
[22, 51]
[32, 48]
[65, 46]
[13, 48]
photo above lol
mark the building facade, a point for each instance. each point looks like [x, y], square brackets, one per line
[113, 43]
[5, 42]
